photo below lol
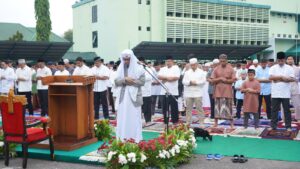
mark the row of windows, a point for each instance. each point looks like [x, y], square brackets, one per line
[148, 28]
[213, 41]
[211, 17]
[147, 2]
[285, 16]
[286, 36]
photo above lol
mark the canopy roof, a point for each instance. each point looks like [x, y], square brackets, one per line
[183, 51]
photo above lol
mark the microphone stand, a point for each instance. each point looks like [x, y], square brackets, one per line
[167, 95]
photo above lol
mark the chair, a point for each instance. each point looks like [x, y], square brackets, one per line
[15, 129]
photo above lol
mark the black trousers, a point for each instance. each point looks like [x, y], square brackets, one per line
[29, 101]
[146, 108]
[268, 105]
[101, 98]
[43, 98]
[212, 106]
[111, 100]
[234, 99]
[170, 102]
[276, 102]
[239, 107]
[246, 119]
[153, 103]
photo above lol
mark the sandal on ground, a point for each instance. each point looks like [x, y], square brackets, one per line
[218, 157]
[242, 159]
[209, 157]
[235, 159]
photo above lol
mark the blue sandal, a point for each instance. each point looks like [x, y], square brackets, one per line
[209, 157]
[218, 157]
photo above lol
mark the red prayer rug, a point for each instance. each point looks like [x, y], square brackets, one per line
[280, 133]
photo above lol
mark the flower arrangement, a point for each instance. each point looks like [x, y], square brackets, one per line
[167, 151]
[12, 147]
[103, 130]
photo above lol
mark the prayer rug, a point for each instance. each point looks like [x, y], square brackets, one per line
[294, 125]
[220, 130]
[280, 133]
[249, 132]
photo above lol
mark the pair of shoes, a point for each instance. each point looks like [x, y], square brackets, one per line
[239, 159]
[215, 156]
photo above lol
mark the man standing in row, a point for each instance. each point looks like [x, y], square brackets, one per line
[8, 78]
[24, 75]
[101, 72]
[263, 75]
[42, 71]
[281, 75]
[193, 81]
[169, 75]
[81, 69]
[223, 77]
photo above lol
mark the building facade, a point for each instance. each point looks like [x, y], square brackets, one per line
[109, 26]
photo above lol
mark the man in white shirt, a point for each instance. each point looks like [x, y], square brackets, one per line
[61, 71]
[24, 75]
[281, 76]
[101, 73]
[193, 81]
[110, 85]
[42, 71]
[8, 78]
[169, 75]
[81, 69]
[146, 92]
[155, 90]
[255, 65]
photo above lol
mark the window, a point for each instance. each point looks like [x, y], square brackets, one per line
[140, 28]
[148, 28]
[284, 35]
[239, 42]
[202, 41]
[258, 21]
[239, 19]
[232, 42]
[202, 16]
[178, 14]
[139, 1]
[94, 14]
[252, 42]
[186, 15]
[225, 41]
[258, 42]
[210, 17]
[246, 20]
[95, 39]
[296, 36]
[290, 36]
[170, 40]
[232, 19]
[178, 40]
[195, 16]
[278, 35]
[266, 21]
[252, 20]
[195, 41]
[218, 41]
[210, 41]
[279, 15]
[218, 17]
[170, 13]
[148, 2]
[225, 18]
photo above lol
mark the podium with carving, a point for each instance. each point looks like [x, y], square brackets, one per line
[71, 110]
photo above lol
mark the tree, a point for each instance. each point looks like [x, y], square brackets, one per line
[43, 21]
[68, 35]
[16, 37]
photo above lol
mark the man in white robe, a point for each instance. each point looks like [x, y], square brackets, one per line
[130, 77]
[61, 71]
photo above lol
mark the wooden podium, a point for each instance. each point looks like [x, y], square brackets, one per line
[71, 110]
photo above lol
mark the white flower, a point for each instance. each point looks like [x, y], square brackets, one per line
[122, 159]
[177, 149]
[110, 155]
[191, 130]
[182, 143]
[1, 144]
[161, 154]
[143, 157]
[193, 139]
[167, 154]
[172, 151]
[131, 157]
[95, 125]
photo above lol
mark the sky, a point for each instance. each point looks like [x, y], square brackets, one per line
[22, 11]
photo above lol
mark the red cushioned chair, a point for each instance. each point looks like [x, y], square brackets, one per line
[16, 131]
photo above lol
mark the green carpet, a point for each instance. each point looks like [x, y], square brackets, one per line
[284, 150]
[228, 146]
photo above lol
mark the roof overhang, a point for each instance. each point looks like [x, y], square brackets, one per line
[183, 51]
[49, 51]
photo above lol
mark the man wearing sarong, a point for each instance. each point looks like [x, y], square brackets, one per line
[223, 77]
[130, 77]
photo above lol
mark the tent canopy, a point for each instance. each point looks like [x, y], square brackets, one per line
[184, 51]
[31, 50]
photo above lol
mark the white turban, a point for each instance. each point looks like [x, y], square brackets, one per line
[66, 61]
[193, 61]
[216, 61]
[255, 61]
[21, 61]
[207, 64]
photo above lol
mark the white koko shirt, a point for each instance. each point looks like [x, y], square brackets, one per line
[281, 89]
[82, 71]
[26, 73]
[100, 85]
[10, 77]
[199, 76]
[43, 72]
[173, 71]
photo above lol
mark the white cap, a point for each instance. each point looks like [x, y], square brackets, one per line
[66, 61]
[207, 64]
[21, 61]
[216, 61]
[255, 61]
[193, 61]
